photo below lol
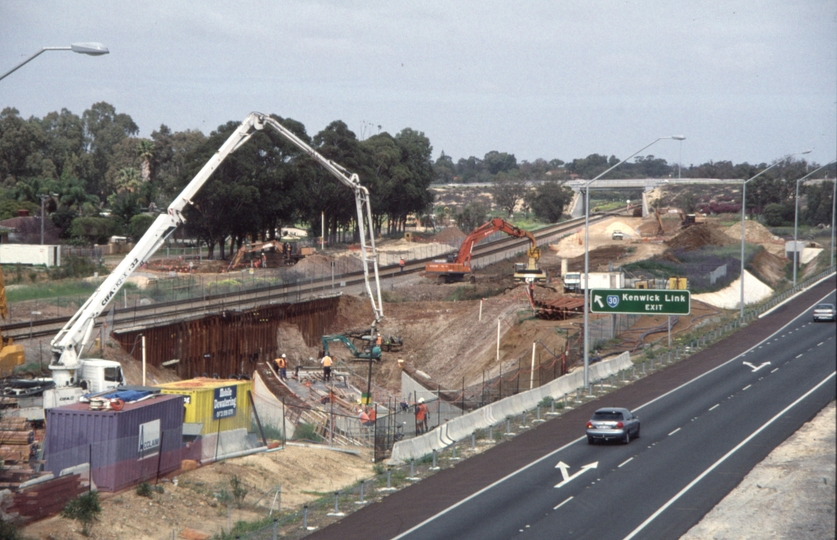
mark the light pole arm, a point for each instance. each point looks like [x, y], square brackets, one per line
[679, 138]
[92, 49]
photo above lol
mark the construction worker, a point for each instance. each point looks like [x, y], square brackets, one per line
[282, 364]
[326, 362]
[379, 340]
[401, 264]
[421, 417]
[373, 415]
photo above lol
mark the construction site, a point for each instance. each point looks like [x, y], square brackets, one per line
[457, 346]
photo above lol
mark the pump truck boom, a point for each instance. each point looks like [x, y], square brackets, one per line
[71, 374]
[456, 268]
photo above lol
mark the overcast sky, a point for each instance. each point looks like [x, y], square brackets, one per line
[743, 80]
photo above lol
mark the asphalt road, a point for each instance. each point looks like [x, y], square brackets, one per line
[706, 422]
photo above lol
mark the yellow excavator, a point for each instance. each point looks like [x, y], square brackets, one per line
[11, 355]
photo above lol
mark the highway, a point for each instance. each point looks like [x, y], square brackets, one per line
[705, 424]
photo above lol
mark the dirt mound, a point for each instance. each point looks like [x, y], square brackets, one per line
[754, 232]
[448, 235]
[769, 268]
[599, 258]
[697, 236]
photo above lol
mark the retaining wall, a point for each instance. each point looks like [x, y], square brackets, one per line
[461, 427]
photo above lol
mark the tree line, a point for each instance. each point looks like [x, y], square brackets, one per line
[96, 178]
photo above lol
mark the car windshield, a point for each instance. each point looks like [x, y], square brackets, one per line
[607, 415]
[825, 306]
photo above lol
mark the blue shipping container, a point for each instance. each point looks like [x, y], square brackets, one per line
[124, 448]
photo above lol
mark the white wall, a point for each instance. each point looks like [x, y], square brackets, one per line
[49, 255]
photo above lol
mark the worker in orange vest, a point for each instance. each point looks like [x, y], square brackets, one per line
[282, 365]
[326, 362]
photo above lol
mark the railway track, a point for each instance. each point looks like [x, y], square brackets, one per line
[166, 312]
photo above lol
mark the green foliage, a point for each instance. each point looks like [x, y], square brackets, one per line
[73, 266]
[508, 190]
[469, 292]
[549, 200]
[85, 509]
[138, 225]
[9, 531]
[238, 491]
[307, 432]
[95, 230]
[144, 490]
[472, 216]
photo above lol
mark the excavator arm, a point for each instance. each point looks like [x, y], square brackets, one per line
[461, 265]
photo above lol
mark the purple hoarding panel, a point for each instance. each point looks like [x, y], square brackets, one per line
[124, 447]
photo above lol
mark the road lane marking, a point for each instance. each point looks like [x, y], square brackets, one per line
[726, 456]
[673, 432]
[798, 355]
[624, 463]
[563, 503]
[820, 343]
[746, 387]
[717, 405]
[775, 370]
[579, 439]
[567, 479]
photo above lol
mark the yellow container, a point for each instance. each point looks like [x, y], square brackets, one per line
[218, 404]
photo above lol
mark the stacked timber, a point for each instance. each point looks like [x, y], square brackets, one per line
[16, 440]
[48, 498]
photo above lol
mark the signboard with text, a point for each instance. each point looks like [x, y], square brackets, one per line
[224, 403]
[641, 301]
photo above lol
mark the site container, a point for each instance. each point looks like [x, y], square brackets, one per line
[217, 404]
[124, 448]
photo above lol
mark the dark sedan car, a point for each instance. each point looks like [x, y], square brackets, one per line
[612, 423]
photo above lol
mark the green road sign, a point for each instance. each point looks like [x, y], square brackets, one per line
[640, 301]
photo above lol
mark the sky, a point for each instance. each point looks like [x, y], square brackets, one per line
[743, 80]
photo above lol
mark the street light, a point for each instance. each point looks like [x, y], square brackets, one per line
[796, 217]
[586, 188]
[92, 49]
[743, 208]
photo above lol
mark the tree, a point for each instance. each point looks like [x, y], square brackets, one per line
[95, 230]
[104, 128]
[820, 204]
[145, 152]
[508, 190]
[138, 225]
[497, 162]
[444, 169]
[85, 509]
[471, 216]
[549, 200]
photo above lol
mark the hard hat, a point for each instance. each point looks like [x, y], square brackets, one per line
[421, 400]
[283, 356]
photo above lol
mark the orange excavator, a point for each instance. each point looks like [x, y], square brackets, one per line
[457, 267]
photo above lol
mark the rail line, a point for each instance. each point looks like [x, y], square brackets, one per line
[163, 312]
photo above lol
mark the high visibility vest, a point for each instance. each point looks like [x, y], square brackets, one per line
[327, 361]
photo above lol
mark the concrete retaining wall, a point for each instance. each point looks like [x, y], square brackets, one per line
[462, 426]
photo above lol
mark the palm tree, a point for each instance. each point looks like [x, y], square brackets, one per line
[145, 151]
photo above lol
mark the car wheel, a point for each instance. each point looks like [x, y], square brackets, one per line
[627, 437]
[590, 440]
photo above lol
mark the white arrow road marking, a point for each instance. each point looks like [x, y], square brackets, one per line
[563, 466]
[598, 299]
[756, 368]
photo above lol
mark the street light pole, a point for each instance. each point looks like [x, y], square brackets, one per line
[587, 253]
[743, 208]
[43, 198]
[92, 49]
[796, 218]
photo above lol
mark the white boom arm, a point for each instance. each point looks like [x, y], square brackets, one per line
[69, 342]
